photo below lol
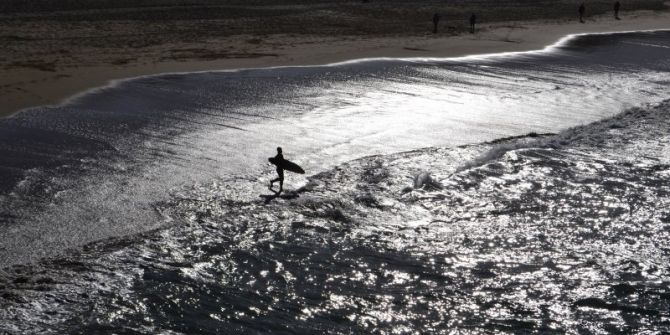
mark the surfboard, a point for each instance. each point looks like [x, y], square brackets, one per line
[287, 165]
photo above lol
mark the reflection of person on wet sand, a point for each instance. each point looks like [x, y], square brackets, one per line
[280, 171]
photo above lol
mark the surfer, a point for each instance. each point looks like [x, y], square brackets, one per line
[282, 165]
[582, 9]
[280, 171]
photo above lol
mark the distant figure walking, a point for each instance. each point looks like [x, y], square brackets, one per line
[279, 158]
[582, 10]
[473, 21]
[436, 20]
[617, 6]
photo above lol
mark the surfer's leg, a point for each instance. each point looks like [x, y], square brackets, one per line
[280, 172]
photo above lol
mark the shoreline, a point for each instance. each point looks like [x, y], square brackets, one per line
[40, 87]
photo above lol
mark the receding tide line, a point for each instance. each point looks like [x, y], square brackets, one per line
[488, 56]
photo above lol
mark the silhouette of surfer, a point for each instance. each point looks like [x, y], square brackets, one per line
[436, 20]
[617, 6]
[282, 165]
[473, 21]
[582, 9]
[280, 171]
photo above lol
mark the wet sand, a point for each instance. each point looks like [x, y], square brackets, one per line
[49, 78]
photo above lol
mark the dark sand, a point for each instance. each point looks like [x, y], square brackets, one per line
[56, 48]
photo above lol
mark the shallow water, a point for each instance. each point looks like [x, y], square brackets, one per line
[552, 234]
[519, 239]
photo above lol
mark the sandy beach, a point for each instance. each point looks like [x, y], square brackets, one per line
[48, 77]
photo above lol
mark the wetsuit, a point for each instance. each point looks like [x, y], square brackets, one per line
[280, 172]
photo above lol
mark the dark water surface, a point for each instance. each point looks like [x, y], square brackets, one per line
[349, 253]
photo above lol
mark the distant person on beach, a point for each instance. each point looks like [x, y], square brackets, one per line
[582, 9]
[280, 171]
[617, 6]
[436, 20]
[473, 21]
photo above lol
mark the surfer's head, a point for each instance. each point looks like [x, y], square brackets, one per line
[279, 149]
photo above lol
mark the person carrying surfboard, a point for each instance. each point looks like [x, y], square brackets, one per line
[283, 164]
[280, 170]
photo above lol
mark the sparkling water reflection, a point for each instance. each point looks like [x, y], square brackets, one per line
[546, 233]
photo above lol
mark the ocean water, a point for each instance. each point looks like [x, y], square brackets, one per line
[143, 207]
